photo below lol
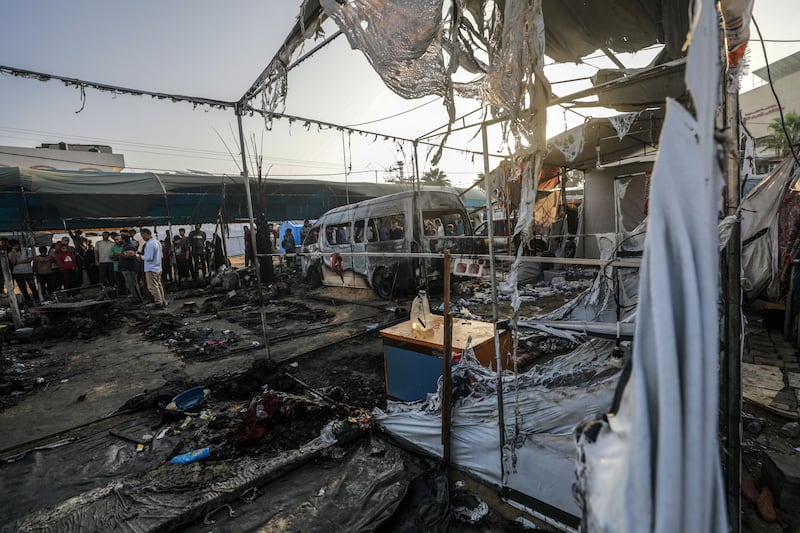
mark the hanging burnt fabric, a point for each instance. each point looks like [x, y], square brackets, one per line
[400, 38]
[736, 15]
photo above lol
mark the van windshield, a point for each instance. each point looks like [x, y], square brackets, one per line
[444, 223]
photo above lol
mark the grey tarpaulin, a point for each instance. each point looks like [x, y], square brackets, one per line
[760, 213]
[112, 199]
[306, 489]
[551, 398]
[655, 465]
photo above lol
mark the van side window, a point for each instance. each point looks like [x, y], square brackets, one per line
[390, 228]
[372, 231]
[358, 231]
[337, 233]
[443, 223]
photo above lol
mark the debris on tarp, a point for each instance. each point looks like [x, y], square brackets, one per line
[191, 457]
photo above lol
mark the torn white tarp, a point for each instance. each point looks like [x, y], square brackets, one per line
[654, 466]
[736, 15]
[539, 416]
[599, 302]
[760, 214]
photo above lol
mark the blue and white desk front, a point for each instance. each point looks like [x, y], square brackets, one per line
[413, 366]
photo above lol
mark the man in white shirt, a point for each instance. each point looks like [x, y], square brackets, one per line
[102, 256]
[152, 257]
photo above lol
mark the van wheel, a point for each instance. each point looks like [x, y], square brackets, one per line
[382, 283]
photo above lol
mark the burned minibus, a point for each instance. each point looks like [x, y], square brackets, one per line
[375, 243]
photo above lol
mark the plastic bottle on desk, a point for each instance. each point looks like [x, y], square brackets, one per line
[421, 318]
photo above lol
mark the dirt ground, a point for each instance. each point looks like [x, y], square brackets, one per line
[82, 389]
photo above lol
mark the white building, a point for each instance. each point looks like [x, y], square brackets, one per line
[63, 156]
[758, 105]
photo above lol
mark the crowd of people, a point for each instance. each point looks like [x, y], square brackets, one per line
[119, 259]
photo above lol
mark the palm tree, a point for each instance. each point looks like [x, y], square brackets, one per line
[435, 177]
[776, 140]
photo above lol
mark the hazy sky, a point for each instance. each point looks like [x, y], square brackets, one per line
[216, 49]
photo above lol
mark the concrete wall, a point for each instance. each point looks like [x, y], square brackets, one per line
[759, 108]
[46, 158]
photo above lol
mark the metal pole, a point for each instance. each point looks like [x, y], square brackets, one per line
[447, 380]
[416, 167]
[346, 173]
[223, 227]
[173, 261]
[501, 420]
[732, 355]
[32, 243]
[12, 297]
[256, 261]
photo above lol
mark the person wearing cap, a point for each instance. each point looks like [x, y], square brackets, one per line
[78, 241]
[152, 256]
[102, 257]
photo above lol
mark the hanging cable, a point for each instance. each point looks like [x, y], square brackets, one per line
[775, 94]
[401, 113]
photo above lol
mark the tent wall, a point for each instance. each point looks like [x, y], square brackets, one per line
[53, 199]
[599, 197]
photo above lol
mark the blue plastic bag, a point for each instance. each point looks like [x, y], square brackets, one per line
[190, 457]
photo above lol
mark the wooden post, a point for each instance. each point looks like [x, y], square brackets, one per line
[12, 297]
[447, 385]
[731, 367]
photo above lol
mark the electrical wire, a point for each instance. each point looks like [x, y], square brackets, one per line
[789, 140]
[777, 40]
[395, 115]
[182, 150]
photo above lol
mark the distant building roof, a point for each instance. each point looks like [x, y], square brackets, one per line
[780, 68]
[96, 148]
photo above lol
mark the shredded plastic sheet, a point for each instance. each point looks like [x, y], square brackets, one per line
[725, 228]
[570, 143]
[736, 15]
[405, 42]
[760, 228]
[516, 79]
[749, 157]
[654, 466]
[551, 398]
[400, 39]
[622, 123]
[599, 302]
